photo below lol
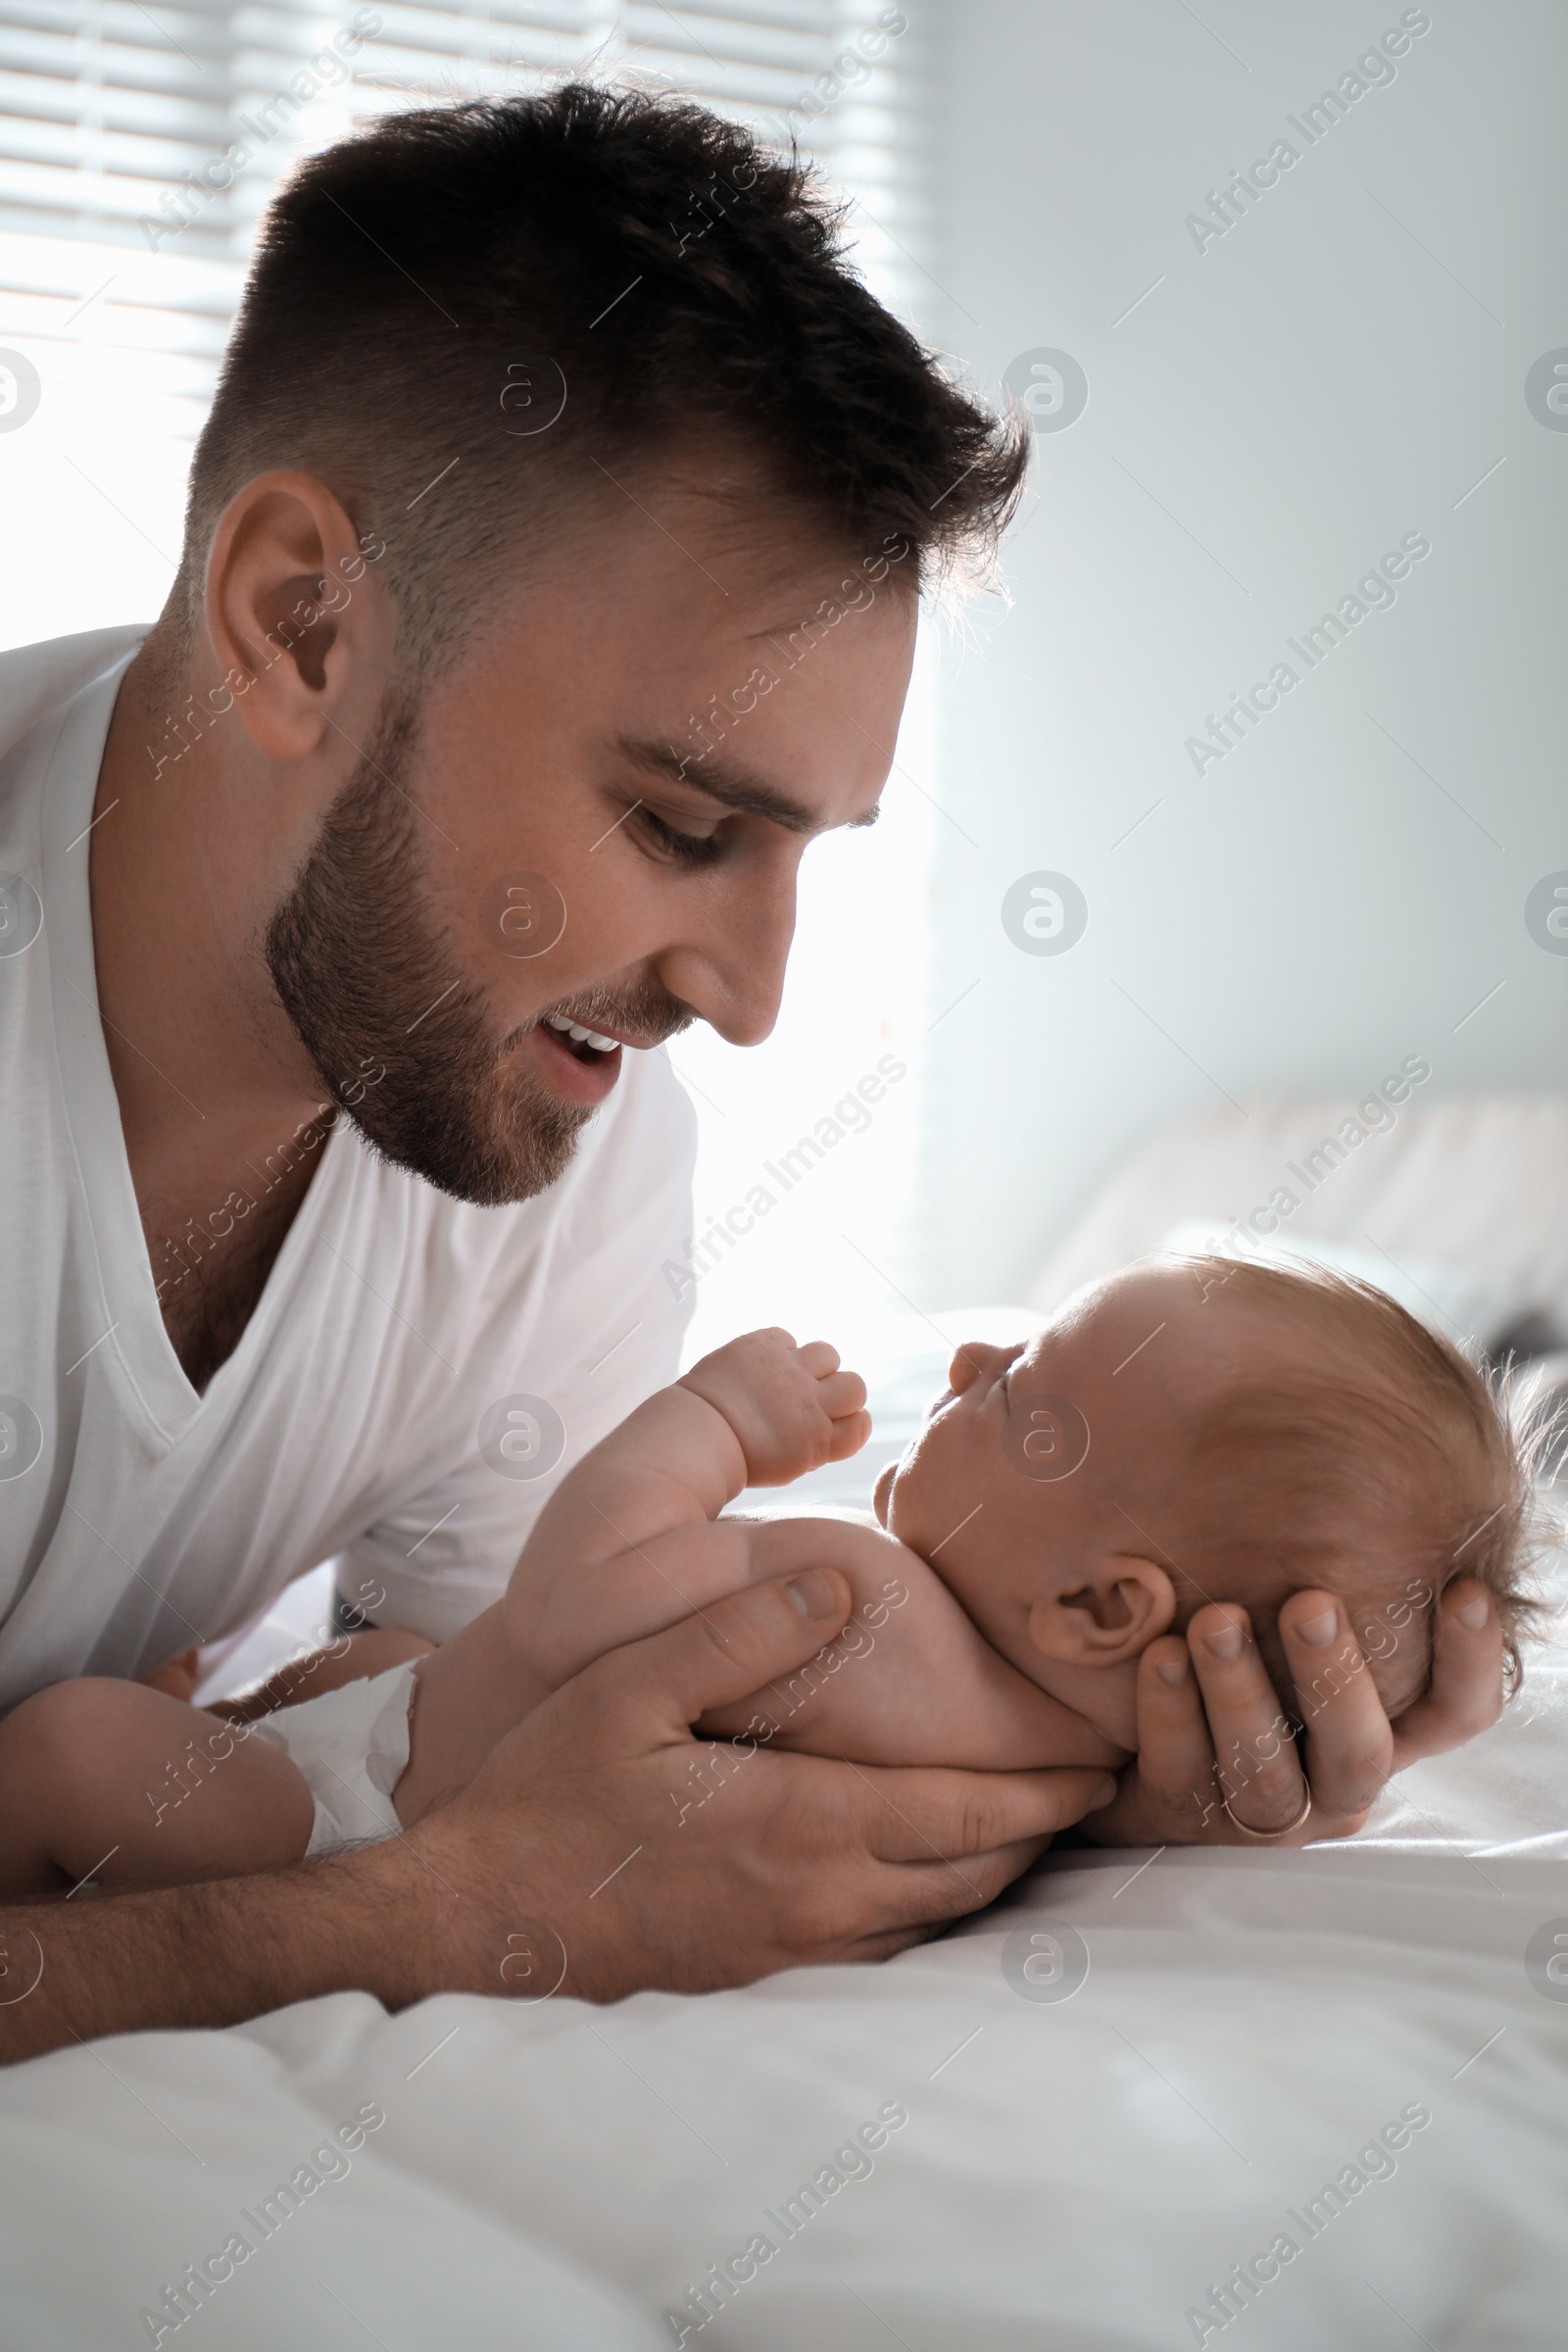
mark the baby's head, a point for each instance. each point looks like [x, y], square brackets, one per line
[1206, 1430]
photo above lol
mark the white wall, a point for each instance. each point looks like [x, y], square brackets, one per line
[1299, 395]
[1281, 408]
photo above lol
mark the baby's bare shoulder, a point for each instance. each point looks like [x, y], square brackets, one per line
[849, 1541]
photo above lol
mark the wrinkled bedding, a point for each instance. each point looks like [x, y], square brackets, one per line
[1062, 2125]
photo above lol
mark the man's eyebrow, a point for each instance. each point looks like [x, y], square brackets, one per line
[722, 781]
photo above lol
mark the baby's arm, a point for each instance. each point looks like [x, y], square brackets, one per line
[629, 1544]
[625, 1546]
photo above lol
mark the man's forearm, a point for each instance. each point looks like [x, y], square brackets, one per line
[216, 1953]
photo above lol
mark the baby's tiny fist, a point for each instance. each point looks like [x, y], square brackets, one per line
[772, 1393]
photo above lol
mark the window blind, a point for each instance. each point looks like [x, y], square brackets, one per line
[139, 144]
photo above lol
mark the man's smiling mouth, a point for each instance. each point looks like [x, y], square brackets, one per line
[585, 1044]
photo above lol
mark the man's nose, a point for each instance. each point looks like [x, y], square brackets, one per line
[733, 976]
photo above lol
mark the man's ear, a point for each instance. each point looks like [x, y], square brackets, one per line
[1121, 1606]
[281, 612]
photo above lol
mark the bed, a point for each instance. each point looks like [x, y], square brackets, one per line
[1147, 2100]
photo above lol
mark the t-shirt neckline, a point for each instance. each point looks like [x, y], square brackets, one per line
[134, 1329]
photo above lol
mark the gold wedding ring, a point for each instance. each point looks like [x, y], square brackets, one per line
[1269, 1837]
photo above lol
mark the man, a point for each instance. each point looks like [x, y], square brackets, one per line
[550, 579]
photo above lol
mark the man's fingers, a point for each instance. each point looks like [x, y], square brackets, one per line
[1175, 1754]
[912, 1901]
[888, 1947]
[725, 1652]
[930, 1814]
[1465, 1695]
[916, 1898]
[1349, 1750]
[1260, 1776]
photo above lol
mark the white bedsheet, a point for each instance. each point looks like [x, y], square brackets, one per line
[1073, 2174]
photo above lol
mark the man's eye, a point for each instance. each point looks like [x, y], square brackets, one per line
[690, 849]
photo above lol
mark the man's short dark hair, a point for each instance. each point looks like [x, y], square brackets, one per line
[422, 291]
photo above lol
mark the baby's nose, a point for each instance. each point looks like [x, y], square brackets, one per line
[974, 1359]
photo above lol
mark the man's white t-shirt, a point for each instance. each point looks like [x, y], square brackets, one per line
[416, 1377]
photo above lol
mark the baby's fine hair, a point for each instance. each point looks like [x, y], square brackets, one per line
[1379, 1440]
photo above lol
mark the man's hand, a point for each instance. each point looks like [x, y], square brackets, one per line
[599, 1831]
[791, 1408]
[658, 1860]
[1212, 1729]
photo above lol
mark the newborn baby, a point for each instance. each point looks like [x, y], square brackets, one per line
[1190, 1432]
[1217, 1431]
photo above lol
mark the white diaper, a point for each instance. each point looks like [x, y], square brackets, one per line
[352, 1744]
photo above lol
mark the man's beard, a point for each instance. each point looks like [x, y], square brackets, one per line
[371, 985]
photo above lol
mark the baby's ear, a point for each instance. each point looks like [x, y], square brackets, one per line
[1122, 1605]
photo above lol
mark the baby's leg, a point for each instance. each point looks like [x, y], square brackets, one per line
[132, 1787]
